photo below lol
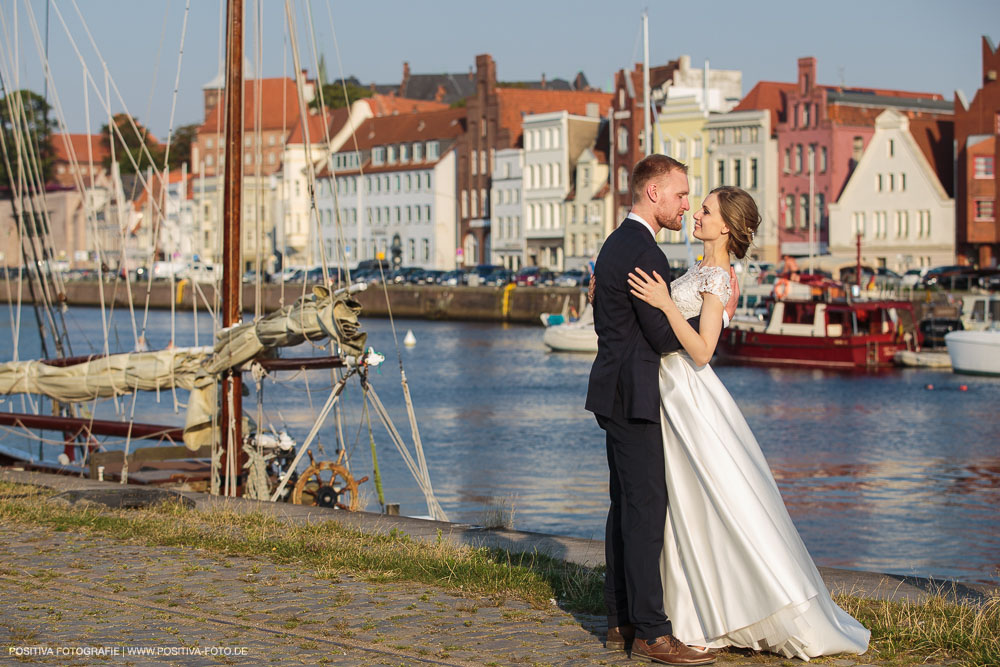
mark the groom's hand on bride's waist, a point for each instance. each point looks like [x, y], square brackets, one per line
[734, 295]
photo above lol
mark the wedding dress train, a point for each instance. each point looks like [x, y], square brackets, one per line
[735, 571]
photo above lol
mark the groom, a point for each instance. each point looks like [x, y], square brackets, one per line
[624, 396]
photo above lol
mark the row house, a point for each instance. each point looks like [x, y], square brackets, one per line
[391, 191]
[713, 91]
[895, 200]
[680, 133]
[165, 210]
[977, 126]
[820, 141]
[552, 143]
[494, 116]
[588, 213]
[507, 230]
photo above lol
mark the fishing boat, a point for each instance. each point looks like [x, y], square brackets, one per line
[220, 446]
[974, 352]
[823, 334]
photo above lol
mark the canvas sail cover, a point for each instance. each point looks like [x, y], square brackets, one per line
[313, 317]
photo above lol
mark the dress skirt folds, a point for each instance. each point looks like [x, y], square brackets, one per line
[735, 571]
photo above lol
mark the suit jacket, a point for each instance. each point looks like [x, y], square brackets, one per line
[631, 334]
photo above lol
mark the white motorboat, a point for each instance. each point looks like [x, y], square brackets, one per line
[575, 336]
[974, 352]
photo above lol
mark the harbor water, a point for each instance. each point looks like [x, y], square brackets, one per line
[879, 471]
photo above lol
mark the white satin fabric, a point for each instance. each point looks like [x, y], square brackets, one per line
[735, 571]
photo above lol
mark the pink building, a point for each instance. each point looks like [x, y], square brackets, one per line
[821, 137]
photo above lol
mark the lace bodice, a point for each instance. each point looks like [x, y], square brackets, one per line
[687, 290]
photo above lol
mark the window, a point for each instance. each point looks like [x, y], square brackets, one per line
[432, 150]
[399, 217]
[880, 224]
[391, 154]
[902, 182]
[474, 204]
[984, 210]
[696, 149]
[822, 160]
[820, 204]
[622, 180]
[411, 249]
[682, 149]
[902, 224]
[482, 162]
[788, 160]
[404, 152]
[696, 186]
[418, 152]
[984, 166]
[738, 173]
[892, 182]
[622, 140]
[754, 134]
[858, 219]
[426, 249]
[878, 182]
[465, 203]
[378, 155]
[804, 211]
[925, 224]
[668, 147]
[473, 161]
[720, 173]
[798, 158]
[427, 212]
[892, 147]
[789, 211]
[753, 173]
[806, 108]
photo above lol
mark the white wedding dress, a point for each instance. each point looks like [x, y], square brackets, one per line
[735, 571]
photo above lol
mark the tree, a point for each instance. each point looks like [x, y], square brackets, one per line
[27, 112]
[333, 94]
[180, 145]
[133, 145]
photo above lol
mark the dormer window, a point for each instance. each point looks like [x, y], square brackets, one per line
[390, 154]
[418, 152]
[378, 155]
[404, 152]
[432, 150]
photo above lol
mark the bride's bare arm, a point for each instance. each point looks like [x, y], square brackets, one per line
[700, 344]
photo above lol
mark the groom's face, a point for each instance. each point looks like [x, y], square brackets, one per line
[672, 200]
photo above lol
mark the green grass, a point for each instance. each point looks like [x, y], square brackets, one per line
[325, 548]
[903, 633]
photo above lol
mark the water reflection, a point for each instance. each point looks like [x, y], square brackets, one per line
[877, 471]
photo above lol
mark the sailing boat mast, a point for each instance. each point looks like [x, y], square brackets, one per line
[647, 101]
[232, 205]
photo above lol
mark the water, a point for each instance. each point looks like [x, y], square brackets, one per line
[878, 472]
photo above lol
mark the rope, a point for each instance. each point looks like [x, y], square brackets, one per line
[371, 440]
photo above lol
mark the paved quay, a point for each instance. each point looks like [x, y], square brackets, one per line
[82, 599]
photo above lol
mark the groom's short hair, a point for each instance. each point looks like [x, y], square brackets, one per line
[650, 167]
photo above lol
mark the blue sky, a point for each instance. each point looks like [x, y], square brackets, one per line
[916, 45]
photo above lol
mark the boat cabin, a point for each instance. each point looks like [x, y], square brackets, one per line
[980, 311]
[835, 320]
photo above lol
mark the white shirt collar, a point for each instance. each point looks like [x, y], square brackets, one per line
[645, 224]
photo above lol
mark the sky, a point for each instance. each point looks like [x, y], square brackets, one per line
[919, 45]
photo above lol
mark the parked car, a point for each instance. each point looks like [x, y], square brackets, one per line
[455, 277]
[949, 277]
[251, 276]
[988, 279]
[912, 277]
[404, 275]
[430, 277]
[572, 278]
[499, 277]
[534, 276]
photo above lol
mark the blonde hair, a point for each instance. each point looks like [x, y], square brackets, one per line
[650, 167]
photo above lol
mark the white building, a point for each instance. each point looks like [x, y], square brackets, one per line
[722, 88]
[895, 200]
[589, 209]
[743, 152]
[552, 144]
[397, 190]
[507, 231]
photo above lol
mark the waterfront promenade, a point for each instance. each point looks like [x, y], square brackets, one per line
[78, 592]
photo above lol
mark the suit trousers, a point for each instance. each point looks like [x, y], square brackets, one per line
[633, 590]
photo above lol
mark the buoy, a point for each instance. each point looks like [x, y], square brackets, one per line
[963, 387]
[930, 386]
[409, 340]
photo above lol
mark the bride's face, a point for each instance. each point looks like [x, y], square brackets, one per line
[708, 222]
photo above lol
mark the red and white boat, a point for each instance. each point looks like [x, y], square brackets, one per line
[820, 334]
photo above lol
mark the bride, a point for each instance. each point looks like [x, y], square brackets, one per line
[735, 571]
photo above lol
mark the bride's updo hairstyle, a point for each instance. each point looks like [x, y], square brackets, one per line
[739, 210]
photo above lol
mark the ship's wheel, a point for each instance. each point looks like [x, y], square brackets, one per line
[326, 484]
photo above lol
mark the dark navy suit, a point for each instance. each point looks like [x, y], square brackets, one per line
[624, 395]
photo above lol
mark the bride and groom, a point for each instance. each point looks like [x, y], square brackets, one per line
[700, 550]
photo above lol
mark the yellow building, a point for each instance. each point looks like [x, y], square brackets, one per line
[680, 132]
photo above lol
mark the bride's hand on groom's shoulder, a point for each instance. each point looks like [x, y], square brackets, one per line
[651, 289]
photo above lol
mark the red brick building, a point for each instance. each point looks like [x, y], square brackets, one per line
[976, 128]
[828, 128]
[494, 122]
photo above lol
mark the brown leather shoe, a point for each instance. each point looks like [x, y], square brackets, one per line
[668, 650]
[619, 637]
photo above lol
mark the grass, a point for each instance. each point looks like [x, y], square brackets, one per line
[903, 633]
[326, 549]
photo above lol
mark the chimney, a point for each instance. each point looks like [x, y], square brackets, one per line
[406, 79]
[807, 74]
[543, 80]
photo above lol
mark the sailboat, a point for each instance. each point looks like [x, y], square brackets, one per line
[218, 445]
